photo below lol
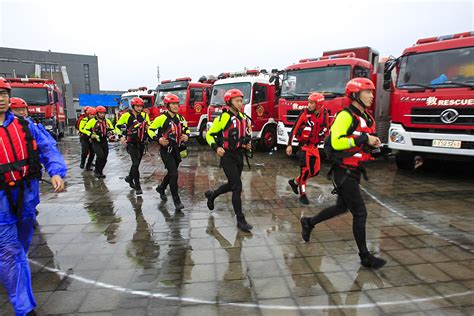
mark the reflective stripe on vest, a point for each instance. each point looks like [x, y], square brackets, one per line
[173, 131]
[235, 132]
[359, 154]
[100, 128]
[19, 156]
[137, 129]
[308, 133]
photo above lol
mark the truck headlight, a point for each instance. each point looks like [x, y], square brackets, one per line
[396, 137]
[280, 129]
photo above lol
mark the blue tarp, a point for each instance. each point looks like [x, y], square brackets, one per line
[99, 99]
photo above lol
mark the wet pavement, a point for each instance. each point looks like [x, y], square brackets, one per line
[100, 250]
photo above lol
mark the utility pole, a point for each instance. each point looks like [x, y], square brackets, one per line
[158, 73]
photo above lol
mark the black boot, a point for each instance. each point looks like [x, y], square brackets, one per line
[81, 166]
[293, 186]
[306, 228]
[243, 225]
[210, 200]
[370, 261]
[138, 190]
[162, 193]
[177, 204]
[129, 180]
[304, 199]
[89, 167]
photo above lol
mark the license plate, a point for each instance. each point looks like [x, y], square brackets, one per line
[446, 143]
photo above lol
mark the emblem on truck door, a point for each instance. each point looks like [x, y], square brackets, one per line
[449, 116]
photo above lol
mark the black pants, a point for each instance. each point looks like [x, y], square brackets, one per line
[233, 164]
[101, 150]
[171, 161]
[135, 150]
[86, 150]
[349, 197]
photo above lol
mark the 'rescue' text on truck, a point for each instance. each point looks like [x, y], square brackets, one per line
[432, 99]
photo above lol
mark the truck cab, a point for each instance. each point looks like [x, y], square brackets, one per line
[45, 102]
[194, 99]
[148, 96]
[328, 75]
[432, 99]
[259, 103]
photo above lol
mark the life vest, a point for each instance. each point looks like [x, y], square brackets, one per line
[309, 132]
[136, 128]
[101, 128]
[19, 159]
[173, 131]
[79, 119]
[354, 157]
[238, 131]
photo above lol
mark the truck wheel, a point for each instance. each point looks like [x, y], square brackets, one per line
[202, 133]
[404, 160]
[268, 141]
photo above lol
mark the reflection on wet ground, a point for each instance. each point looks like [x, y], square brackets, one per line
[101, 250]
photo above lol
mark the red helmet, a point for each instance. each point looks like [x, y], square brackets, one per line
[17, 103]
[91, 111]
[86, 108]
[170, 98]
[101, 109]
[232, 93]
[317, 98]
[4, 84]
[358, 84]
[136, 101]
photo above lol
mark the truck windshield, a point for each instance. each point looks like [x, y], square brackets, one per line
[125, 101]
[447, 68]
[32, 96]
[181, 94]
[303, 82]
[219, 90]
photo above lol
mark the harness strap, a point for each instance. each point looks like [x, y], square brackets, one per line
[17, 208]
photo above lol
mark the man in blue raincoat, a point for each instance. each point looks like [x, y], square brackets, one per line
[24, 148]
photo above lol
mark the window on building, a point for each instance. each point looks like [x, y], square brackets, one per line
[87, 79]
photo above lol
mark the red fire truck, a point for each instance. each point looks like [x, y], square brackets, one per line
[328, 75]
[432, 99]
[260, 102]
[194, 99]
[148, 97]
[45, 102]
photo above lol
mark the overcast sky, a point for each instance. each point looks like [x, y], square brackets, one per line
[191, 38]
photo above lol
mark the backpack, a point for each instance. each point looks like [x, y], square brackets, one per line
[79, 119]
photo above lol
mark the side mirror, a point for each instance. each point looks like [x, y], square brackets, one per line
[192, 95]
[387, 73]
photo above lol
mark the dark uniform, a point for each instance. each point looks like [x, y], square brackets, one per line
[171, 128]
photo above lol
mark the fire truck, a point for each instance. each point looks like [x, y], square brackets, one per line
[194, 100]
[45, 102]
[328, 75]
[148, 97]
[260, 102]
[432, 99]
